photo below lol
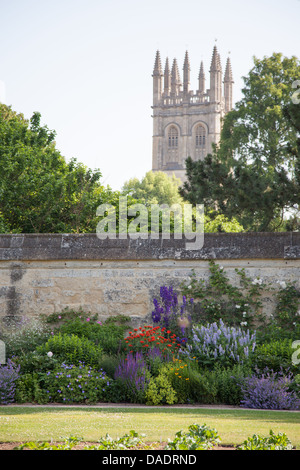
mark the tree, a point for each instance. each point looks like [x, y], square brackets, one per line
[40, 191]
[251, 175]
[154, 188]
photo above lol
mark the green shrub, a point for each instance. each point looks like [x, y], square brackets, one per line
[28, 389]
[226, 382]
[109, 363]
[160, 391]
[295, 385]
[75, 384]
[131, 440]
[109, 337]
[72, 349]
[288, 304]
[36, 361]
[197, 438]
[190, 385]
[272, 442]
[24, 336]
[275, 355]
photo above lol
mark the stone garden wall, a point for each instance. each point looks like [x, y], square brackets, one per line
[46, 273]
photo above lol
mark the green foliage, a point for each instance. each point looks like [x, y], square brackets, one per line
[74, 384]
[154, 188]
[24, 336]
[128, 441]
[160, 391]
[190, 384]
[274, 355]
[253, 175]
[287, 311]
[72, 349]
[29, 390]
[107, 336]
[226, 383]
[218, 299]
[274, 441]
[218, 223]
[197, 438]
[36, 361]
[64, 384]
[67, 444]
[39, 191]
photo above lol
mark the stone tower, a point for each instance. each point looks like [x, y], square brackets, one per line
[186, 123]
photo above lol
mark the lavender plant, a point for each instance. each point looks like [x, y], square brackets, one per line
[217, 342]
[269, 390]
[9, 374]
[134, 374]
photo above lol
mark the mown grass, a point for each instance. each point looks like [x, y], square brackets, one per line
[23, 424]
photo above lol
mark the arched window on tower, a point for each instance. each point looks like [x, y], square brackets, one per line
[200, 137]
[173, 137]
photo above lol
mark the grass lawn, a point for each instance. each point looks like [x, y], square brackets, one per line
[23, 424]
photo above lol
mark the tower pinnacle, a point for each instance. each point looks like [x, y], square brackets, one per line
[186, 74]
[157, 71]
[215, 77]
[201, 78]
[157, 80]
[228, 85]
[175, 79]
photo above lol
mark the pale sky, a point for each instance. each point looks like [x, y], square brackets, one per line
[86, 65]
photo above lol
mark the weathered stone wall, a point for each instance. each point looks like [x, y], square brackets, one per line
[46, 273]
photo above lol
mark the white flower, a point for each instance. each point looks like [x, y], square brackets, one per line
[244, 314]
[282, 284]
[257, 281]
[243, 323]
[189, 287]
[49, 354]
[237, 306]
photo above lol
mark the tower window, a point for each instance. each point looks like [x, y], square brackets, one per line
[200, 137]
[173, 137]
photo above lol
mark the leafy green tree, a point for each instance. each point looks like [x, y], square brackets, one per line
[154, 188]
[39, 191]
[252, 174]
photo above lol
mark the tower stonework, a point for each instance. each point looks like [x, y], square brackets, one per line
[185, 122]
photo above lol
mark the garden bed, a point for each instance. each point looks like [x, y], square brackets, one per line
[211, 350]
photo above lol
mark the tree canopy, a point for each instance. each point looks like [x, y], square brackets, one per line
[39, 191]
[154, 188]
[253, 175]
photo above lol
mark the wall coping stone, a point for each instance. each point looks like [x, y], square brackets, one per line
[246, 245]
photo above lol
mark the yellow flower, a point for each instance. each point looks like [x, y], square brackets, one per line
[187, 379]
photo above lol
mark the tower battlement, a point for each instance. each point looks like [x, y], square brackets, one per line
[187, 122]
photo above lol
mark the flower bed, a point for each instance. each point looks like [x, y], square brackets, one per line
[206, 344]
